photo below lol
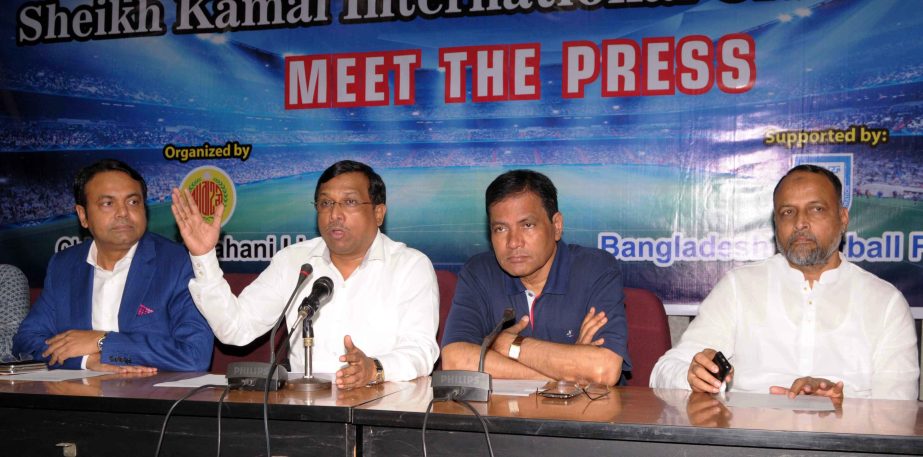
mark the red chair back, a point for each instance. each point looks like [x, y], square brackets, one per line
[648, 333]
[447, 282]
[256, 351]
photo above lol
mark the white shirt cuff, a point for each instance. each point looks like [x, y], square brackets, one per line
[206, 267]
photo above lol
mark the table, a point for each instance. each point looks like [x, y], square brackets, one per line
[121, 415]
[633, 421]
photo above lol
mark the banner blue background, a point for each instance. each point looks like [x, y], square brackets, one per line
[645, 167]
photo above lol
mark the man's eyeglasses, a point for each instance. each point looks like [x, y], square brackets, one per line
[565, 390]
[323, 206]
[596, 391]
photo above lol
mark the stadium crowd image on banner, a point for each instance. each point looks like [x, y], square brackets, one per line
[664, 124]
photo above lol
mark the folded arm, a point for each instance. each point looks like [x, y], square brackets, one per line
[582, 363]
[468, 322]
[466, 356]
[539, 359]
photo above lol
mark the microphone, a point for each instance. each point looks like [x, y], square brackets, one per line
[303, 275]
[321, 291]
[261, 376]
[508, 317]
[320, 294]
[471, 385]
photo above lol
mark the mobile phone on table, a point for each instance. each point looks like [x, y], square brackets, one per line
[22, 366]
[560, 389]
[724, 367]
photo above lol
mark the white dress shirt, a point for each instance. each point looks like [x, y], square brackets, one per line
[774, 328]
[389, 306]
[108, 287]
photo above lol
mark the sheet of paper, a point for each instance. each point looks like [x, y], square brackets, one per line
[516, 387]
[198, 381]
[54, 375]
[799, 403]
[220, 379]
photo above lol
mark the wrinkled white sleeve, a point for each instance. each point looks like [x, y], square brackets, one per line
[895, 364]
[713, 327]
[236, 320]
[416, 349]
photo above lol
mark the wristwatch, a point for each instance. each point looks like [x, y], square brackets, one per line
[379, 372]
[99, 342]
[516, 347]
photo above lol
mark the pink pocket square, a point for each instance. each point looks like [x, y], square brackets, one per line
[144, 310]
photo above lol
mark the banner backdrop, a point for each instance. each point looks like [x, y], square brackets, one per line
[664, 124]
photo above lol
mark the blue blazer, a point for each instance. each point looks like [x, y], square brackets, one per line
[159, 325]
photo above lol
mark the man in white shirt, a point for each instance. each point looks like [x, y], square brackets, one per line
[380, 323]
[805, 321]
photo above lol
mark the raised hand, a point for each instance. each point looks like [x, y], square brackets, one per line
[198, 236]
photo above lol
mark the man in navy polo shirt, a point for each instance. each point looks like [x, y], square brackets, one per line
[568, 298]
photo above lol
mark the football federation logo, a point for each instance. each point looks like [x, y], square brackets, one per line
[209, 187]
[840, 164]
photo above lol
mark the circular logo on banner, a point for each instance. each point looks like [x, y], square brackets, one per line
[209, 187]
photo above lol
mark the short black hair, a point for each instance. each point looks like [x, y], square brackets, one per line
[518, 181]
[88, 172]
[376, 185]
[816, 169]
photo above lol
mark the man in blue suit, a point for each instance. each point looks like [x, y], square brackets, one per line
[121, 301]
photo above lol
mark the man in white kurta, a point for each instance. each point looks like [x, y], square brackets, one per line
[851, 327]
[805, 321]
[380, 323]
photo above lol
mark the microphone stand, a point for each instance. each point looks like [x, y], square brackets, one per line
[308, 383]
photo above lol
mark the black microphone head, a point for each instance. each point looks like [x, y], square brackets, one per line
[305, 272]
[508, 319]
[323, 285]
[320, 294]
